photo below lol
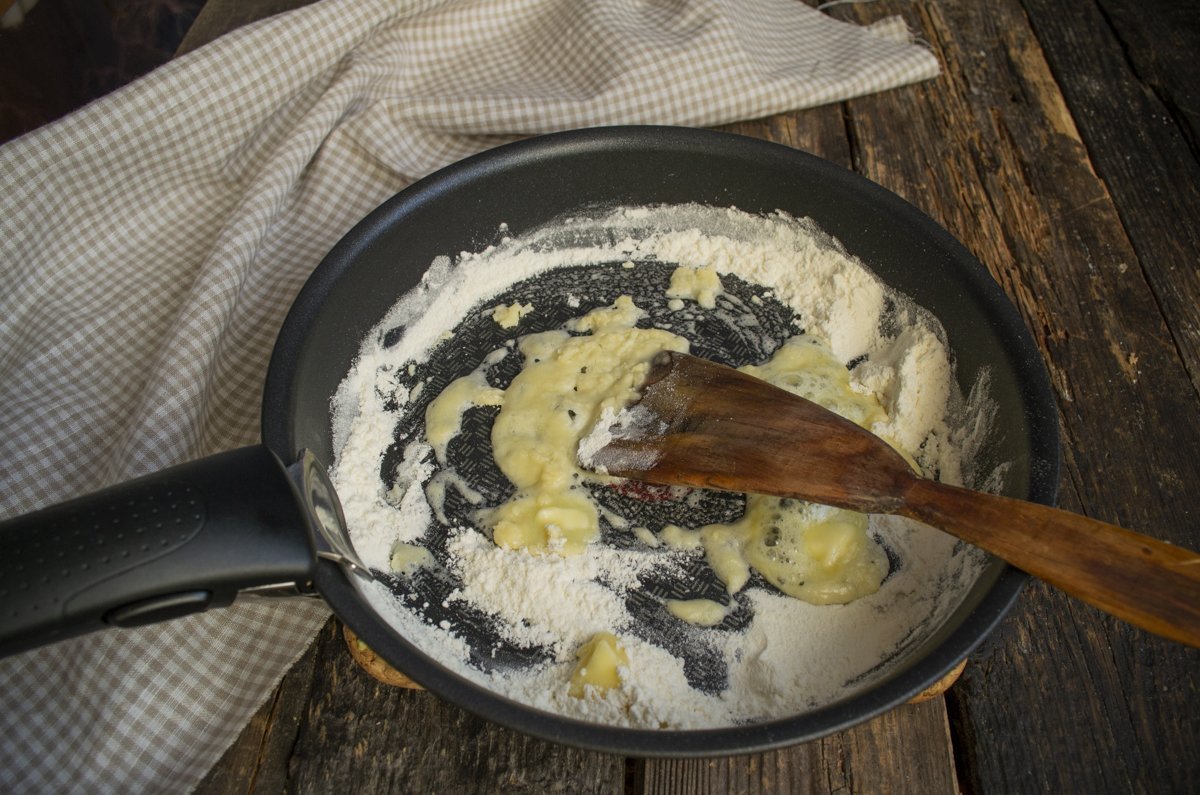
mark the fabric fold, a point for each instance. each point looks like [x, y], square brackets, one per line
[152, 243]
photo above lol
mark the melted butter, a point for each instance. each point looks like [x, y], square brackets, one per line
[599, 661]
[510, 316]
[435, 492]
[819, 554]
[701, 285]
[804, 366]
[623, 314]
[408, 557]
[702, 612]
[566, 383]
[443, 416]
[546, 519]
[647, 537]
[558, 396]
[724, 547]
[816, 553]
[677, 537]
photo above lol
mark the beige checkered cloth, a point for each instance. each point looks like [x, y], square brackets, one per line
[152, 243]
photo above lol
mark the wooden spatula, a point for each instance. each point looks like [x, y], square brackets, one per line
[709, 426]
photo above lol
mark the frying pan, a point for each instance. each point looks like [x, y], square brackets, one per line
[193, 537]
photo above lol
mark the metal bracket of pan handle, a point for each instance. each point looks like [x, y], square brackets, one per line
[325, 510]
[279, 590]
[330, 535]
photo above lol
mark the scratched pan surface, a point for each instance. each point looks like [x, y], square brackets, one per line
[723, 334]
[528, 185]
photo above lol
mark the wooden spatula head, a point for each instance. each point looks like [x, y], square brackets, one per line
[706, 425]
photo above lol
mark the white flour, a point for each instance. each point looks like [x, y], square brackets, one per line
[792, 656]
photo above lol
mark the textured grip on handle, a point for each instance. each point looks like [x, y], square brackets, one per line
[211, 526]
[73, 547]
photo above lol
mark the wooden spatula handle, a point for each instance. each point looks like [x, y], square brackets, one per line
[1139, 579]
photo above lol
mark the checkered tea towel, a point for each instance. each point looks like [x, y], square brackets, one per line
[151, 243]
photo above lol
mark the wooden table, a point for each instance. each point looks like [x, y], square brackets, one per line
[1061, 146]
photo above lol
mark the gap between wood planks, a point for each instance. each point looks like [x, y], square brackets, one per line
[260, 761]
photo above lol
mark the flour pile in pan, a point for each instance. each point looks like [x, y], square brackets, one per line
[512, 620]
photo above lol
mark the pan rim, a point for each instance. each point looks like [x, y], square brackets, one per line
[973, 627]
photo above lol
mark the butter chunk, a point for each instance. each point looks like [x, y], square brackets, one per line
[701, 285]
[701, 612]
[406, 558]
[599, 662]
[563, 522]
[510, 316]
[816, 553]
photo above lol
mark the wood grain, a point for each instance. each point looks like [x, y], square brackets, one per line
[1018, 185]
[819, 131]
[711, 432]
[1126, 71]
[258, 759]
[906, 750]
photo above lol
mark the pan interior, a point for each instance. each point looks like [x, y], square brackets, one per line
[487, 613]
[746, 329]
[391, 249]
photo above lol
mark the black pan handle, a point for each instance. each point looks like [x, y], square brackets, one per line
[172, 543]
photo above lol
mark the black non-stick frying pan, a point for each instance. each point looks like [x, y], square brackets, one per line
[191, 538]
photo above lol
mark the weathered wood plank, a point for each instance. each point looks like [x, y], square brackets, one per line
[819, 131]
[257, 762]
[906, 750]
[991, 150]
[1160, 39]
[1127, 74]
[238, 767]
